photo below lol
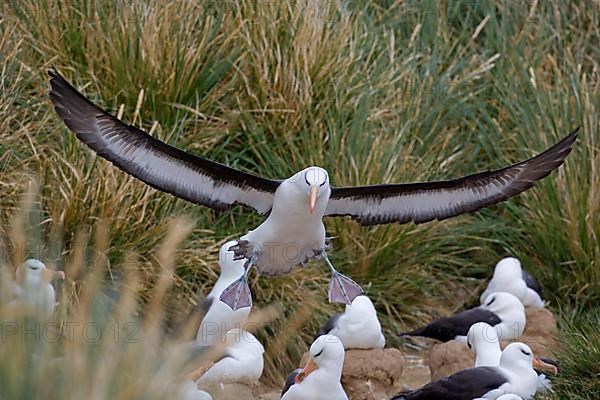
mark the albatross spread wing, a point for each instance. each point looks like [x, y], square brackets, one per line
[161, 166]
[422, 202]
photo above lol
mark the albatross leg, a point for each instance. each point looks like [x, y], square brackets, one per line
[342, 289]
[238, 295]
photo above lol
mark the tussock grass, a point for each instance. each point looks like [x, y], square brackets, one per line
[104, 340]
[580, 358]
[374, 91]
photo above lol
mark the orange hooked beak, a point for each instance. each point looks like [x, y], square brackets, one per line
[50, 275]
[542, 365]
[309, 368]
[313, 197]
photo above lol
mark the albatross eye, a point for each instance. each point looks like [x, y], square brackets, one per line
[491, 301]
[469, 344]
[319, 353]
[525, 352]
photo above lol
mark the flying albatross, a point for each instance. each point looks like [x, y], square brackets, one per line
[293, 232]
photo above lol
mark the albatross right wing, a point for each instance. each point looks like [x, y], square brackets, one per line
[161, 166]
[426, 201]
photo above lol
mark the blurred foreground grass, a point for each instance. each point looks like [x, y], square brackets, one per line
[374, 91]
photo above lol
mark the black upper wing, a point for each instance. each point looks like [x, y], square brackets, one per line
[422, 202]
[161, 166]
[447, 328]
[468, 384]
[329, 325]
[187, 328]
[531, 282]
[290, 381]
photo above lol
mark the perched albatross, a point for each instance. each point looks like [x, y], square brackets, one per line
[33, 291]
[358, 327]
[211, 318]
[483, 340]
[293, 232]
[243, 362]
[514, 375]
[220, 318]
[501, 310]
[510, 277]
[320, 378]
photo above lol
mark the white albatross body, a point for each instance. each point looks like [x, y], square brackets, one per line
[321, 377]
[188, 390]
[243, 362]
[220, 318]
[508, 277]
[483, 340]
[292, 234]
[358, 327]
[511, 312]
[33, 292]
[505, 397]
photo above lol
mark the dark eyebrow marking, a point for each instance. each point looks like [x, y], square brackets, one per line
[319, 353]
[306, 178]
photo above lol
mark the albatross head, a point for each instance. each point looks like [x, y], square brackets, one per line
[326, 354]
[362, 305]
[503, 304]
[507, 269]
[34, 272]
[314, 183]
[510, 310]
[519, 357]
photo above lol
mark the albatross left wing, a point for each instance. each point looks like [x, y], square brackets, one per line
[161, 166]
[422, 202]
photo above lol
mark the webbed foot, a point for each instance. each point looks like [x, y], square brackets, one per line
[237, 295]
[342, 289]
